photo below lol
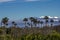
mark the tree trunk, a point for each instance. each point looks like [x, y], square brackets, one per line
[31, 24]
[25, 24]
[1, 24]
[46, 25]
[41, 25]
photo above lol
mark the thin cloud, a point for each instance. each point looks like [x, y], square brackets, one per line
[6, 0]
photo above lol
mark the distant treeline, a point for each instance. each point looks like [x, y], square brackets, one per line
[29, 33]
[31, 22]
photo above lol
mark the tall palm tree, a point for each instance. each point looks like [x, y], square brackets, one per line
[38, 22]
[41, 23]
[31, 19]
[1, 23]
[51, 22]
[5, 20]
[25, 20]
[35, 22]
[28, 24]
[7, 25]
[46, 19]
[13, 23]
[13, 29]
[59, 22]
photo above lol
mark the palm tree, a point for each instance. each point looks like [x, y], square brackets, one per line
[41, 23]
[13, 22]
[28, 24]
[7, 25]
[1, 23]
[51, 22]
[5, 20]
[38, 23]
[59, 22]
[25, 20]
[13, 29]
[31, 19]
[35, 21]
[46, 19]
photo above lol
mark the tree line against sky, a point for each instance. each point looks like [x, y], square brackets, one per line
[33, 20]
[35, 34]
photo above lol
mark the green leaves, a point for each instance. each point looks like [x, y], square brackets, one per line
[4, 21]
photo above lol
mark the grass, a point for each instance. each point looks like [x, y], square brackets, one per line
[33, 33]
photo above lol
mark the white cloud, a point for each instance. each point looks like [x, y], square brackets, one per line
[49, 17]
[42, 17]
[55, 17]
[6, 0]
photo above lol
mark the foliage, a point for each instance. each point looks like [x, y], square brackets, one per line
[53, 36]
[5, 20]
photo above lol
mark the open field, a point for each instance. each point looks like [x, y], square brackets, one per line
[34, 33]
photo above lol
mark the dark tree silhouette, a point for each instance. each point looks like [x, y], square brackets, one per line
[13, 23]
[5, 20]
[25, 20]
[35, 22]
[38, 22]
[28, 23]
[46, 19]
[51, 22]
[7, 25]
[59, 22]
[41, 23]
[31, 19]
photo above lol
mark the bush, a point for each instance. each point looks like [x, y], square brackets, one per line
[53, 36]
[1, 38]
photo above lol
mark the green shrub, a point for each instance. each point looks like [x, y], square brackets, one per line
[1, 38]
[53, 36]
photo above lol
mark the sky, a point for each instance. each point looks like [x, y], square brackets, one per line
[18, 9]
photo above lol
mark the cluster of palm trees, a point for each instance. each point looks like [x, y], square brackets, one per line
[33, 20]
[4, 21]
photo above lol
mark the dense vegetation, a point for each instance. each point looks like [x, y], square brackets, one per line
[29, 33]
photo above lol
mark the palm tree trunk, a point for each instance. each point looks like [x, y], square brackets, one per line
[41, 25]
[31, 24]
[38, 24]
[51, 24]
[4, 33]
[1, 24]
[25, 24]
[46, 25]
[35, 24]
